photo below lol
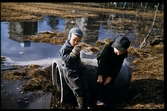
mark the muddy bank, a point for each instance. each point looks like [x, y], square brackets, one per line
[30, 86]
[12, 97]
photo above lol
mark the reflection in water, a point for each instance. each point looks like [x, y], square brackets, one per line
[106, 25]
[29, 28]
[15, 49]
[19, 29]
[25, 44]
[51, 23]
[40, 53]
[88, 27]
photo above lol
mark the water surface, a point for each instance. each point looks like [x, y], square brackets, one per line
[24, 52]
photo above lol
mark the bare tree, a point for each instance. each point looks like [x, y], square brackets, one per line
[144, 43]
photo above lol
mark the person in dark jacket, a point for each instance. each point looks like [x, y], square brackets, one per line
[73, 68]
[110, 60]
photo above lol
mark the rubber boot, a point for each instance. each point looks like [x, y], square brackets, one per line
[80, 102]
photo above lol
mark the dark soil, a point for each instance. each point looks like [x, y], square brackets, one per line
[35, 82]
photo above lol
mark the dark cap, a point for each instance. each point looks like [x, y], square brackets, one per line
[121, 42]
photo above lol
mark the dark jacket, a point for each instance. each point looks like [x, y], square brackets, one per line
[109, 64]
[69, 61]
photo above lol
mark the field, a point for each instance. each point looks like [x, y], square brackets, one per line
[147, 87]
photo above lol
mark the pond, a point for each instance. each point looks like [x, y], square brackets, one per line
[105, 25]
[21, 52]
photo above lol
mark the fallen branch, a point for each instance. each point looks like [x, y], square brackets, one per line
[144, 43]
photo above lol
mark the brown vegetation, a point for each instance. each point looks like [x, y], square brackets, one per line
[147, 88]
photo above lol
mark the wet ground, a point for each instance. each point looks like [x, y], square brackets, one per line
[30, 86]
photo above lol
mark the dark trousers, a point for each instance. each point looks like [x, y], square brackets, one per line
[78, 83]
[107, 94]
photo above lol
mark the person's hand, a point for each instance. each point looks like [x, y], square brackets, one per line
[76, 49]
[100, 79]
[107, 80]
